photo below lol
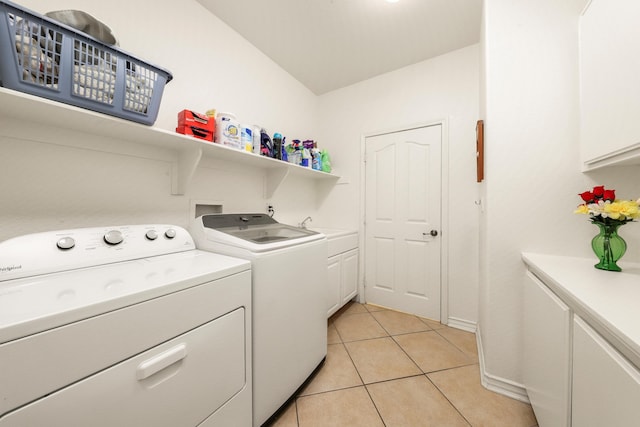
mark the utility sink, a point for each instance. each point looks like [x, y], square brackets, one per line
[338, 240]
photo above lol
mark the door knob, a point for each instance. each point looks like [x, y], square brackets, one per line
[434, 233]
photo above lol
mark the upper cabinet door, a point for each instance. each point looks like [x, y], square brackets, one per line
[610, 83]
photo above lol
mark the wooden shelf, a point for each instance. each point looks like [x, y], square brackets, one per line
[189, 151]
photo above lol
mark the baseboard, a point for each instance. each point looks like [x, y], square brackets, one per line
[465, 325]
[497, 384]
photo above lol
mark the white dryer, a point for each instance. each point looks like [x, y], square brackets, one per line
[289, 276]
[123, 326]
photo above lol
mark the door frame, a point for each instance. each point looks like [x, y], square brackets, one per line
[444, 209]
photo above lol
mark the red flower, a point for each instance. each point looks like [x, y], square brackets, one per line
[609, 195]
[598, 191]
[587, 196]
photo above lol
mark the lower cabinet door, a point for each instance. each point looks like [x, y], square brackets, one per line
[333, 286]
[547, 345]
[606, 387]
[349, 275]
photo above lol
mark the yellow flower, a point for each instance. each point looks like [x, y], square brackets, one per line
[614, 210]
[582, 209]
[630, 209]
[622, 209]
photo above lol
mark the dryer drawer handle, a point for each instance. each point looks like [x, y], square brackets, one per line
[161, 361]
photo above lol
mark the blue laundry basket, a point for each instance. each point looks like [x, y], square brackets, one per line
[46, 58]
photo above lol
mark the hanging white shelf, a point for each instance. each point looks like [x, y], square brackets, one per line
[188, 150]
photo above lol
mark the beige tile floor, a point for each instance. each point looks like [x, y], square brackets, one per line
[386, 368]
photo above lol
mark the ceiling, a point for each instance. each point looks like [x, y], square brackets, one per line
[329, 44]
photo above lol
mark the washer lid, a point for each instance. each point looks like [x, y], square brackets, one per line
[256, 228]
[33, 304]
[257, 232]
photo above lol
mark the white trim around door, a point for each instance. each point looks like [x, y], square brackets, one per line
[444, 232]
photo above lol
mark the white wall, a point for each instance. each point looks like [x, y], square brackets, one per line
[530, 107]
[445, 87]
[49, 186]
[213, 66]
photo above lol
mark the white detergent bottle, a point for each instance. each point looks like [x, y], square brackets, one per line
[256, 140]
[306, 158]
[247, 138]
[228, 130]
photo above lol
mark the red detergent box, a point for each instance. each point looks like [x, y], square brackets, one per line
[191, 118]
[196, 131]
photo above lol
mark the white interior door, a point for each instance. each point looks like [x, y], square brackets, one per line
[402, 220]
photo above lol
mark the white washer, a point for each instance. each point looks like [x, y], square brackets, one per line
[123, 326]
[289, 275]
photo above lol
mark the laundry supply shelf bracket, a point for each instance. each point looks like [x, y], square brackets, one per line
[275, 177]
[183, 168]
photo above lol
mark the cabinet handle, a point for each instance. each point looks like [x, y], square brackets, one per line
[161, 361]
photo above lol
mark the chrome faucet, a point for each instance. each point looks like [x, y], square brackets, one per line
[303, 224]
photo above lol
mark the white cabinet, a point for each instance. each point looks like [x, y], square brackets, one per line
[609, 84]
[606, 387]
[334, 290]
[343, 279]
[581, 342]
[547, 350]
[342, 262]
[349, 284]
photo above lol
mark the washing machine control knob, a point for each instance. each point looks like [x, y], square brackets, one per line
[170, 233]
[151, 235]
[113, 237]
[66, 243]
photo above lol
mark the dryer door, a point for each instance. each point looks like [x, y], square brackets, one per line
[178, 383]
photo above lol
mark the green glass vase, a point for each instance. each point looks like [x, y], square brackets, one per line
[608, 246]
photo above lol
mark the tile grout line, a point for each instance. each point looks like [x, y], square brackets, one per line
[374, 405]
[396, 343]
[358, 371]
[295, 403]
[453, 344]
[391, 379]
[415, 363]
[353, 363]
[448, 400]
[345, 344]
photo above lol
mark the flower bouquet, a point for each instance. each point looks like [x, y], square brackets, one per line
[608, 213]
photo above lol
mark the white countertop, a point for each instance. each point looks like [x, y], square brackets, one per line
[609, 301]
[338, 240]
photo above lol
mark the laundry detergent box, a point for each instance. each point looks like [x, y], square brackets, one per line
[195, 131]
[191, 118]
